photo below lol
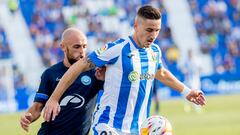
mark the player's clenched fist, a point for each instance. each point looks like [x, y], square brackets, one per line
[25, 121]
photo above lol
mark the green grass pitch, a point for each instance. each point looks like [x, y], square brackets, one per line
[221, 116]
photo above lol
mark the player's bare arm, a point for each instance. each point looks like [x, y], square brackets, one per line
[70, 76]
[31, 115]
[167, 78]
[52, 107]
[90, 64]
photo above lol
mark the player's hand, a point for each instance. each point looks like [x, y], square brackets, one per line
[197, 97]
[100, 73]
[52, 109]
[25, 121]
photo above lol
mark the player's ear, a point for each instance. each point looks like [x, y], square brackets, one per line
[62, 46]
[135, 24]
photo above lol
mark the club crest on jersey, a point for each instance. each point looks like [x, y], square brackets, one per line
[102, 49]
[154, 56]
[86, 80]
[133, 76]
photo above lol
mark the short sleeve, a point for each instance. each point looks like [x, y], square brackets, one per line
[107, 54]
[43, 92]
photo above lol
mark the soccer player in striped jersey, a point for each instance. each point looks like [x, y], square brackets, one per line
[131, 63]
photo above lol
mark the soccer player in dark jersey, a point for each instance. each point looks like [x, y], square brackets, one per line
[78, 102]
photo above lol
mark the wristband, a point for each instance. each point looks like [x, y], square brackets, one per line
[185, 91]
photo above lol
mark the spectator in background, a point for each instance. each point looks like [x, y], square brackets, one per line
[3, 89]
[22, 93]
[4, 47]
[191, 70]
[156, 96]
[217, 24]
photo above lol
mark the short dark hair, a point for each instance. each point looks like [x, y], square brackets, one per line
[149, 12]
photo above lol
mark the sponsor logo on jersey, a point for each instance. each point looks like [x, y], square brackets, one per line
[130, 55]
[86, 80]
[133, 55]
[76, 100]
[147, 76]
[58, 79]
[134, 76]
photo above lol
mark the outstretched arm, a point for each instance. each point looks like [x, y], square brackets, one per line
[31, 115]
[167, 78]
[52, 107]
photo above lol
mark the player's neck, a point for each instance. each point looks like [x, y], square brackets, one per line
[136, 40]
[66, 63]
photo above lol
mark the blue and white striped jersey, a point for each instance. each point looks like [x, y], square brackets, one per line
[129, 77]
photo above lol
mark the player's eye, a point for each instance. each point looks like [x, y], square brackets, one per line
[77, 46]
[149, 30]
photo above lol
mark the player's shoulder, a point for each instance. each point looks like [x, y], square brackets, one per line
[155, 48]
[56, 67]
[116, 42]
[113, 46]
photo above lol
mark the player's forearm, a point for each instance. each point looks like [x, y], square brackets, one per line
[68, 78]
[35, 111]
[169, 80]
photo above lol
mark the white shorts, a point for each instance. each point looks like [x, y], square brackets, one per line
[104, 129]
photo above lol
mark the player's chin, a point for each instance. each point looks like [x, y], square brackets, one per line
[147, 45]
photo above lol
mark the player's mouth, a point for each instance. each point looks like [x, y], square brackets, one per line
[150, 41]
[81, 57]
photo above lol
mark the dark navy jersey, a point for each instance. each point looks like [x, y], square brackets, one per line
[77, 103]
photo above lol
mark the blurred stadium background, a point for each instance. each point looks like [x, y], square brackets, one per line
[30, 32]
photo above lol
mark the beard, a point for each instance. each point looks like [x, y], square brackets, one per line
[71, 60]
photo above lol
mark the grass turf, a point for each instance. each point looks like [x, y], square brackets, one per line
[221, 116]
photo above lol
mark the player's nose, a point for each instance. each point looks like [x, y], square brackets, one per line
[81, 50]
